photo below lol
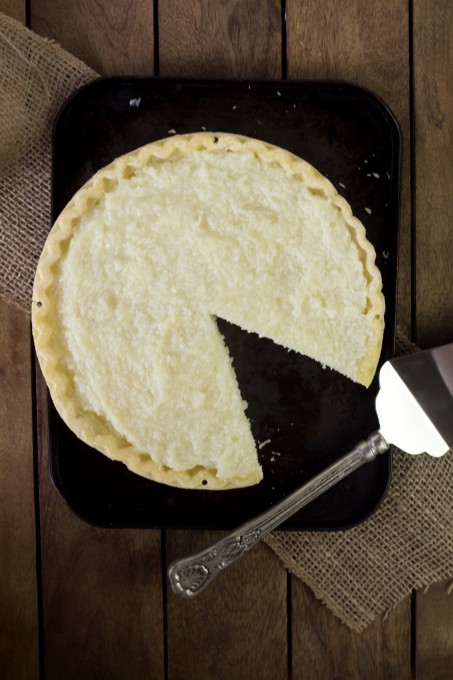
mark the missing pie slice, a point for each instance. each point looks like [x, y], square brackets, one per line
[149, 252]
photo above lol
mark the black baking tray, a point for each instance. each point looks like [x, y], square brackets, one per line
[311, 415]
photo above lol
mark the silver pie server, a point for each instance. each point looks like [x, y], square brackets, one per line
[415, 411]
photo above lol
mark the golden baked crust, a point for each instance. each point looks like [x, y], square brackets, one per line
[94, 429]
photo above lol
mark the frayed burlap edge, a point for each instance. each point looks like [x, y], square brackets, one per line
[364, 616]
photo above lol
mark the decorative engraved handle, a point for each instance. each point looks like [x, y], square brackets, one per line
[191, 575]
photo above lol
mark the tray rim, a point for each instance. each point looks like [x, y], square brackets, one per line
[397, 140]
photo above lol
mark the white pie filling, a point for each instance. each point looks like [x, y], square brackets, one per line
[170, 248]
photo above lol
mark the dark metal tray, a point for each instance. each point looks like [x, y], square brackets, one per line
[310, 415]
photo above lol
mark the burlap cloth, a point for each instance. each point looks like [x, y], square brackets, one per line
[360, 573]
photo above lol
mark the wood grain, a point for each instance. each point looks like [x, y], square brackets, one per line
[359, 41]
[18, 585]
[114, 37]
[16, 9]
[433, 98]
[324, 648]
[101, 590]
[19, 619]
[226, 631]
[434, 633]
[222, 39]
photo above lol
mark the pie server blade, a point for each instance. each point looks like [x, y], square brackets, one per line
[415, 401]
[415, 411]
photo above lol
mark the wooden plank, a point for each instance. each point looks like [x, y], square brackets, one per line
[225, 39]
[323, 647]
[18, 587]
[224, 633]
[14, 8]
[112, 37]
[434, 633]
[19, 618]
[433, 100]
[361, 43]
[101, 590]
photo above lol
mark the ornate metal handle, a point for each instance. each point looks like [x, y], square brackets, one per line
[189, 576]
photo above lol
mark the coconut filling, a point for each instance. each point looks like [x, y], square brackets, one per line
[206, 234]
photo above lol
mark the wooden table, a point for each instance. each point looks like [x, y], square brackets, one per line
[82, 602]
